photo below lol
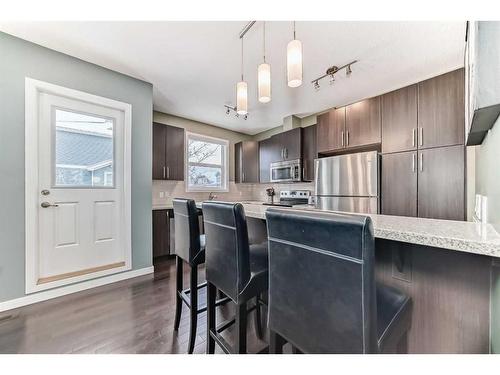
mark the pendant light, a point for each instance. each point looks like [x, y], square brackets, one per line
[294, 61]
[241, 91]
[264, 76]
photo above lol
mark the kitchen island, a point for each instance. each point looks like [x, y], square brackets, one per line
[450, 269]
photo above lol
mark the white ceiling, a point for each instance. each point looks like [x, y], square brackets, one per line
[194, 66]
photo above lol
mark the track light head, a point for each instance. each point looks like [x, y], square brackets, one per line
[348, 70]
[246, 116]
[316, 85]
[227, 111]
[332, 79]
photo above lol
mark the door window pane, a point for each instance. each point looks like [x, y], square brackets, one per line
[83, 150]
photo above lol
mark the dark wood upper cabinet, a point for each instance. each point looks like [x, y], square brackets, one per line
[399, 184]
[441, 183]
[159, 154]
[309, 152]
[330, 130]
[168, 152]
[267, 153]
[288, 144]
[246, 164]
[441, 114]
[362, 123]
[399, 120]
[175, 153]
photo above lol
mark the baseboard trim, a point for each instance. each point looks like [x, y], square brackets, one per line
[73, 288]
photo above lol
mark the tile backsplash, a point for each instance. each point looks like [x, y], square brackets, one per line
[165, 191]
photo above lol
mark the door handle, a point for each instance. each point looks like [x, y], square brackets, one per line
[243, 176]
[286, 153]
[168, 172]
[421, 137]
[164, 172]
[413, 163]
[342, 138]
[347, 138]
[413, 137]
[47, 205]
[421, 164]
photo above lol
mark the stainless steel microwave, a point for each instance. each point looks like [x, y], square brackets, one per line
[286, 171]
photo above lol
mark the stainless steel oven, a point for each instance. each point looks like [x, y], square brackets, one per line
[286, 171]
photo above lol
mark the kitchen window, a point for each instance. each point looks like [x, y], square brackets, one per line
[206, 163]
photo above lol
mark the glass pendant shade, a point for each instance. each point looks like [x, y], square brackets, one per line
[294, 63]
[264, 82]
[241, 98]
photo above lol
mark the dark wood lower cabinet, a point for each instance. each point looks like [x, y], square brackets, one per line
[161, 232]
[399, 184]
[441, 183]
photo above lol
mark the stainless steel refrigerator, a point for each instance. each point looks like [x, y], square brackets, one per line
[348, 182]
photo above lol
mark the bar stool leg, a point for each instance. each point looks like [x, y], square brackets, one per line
[258, 320]
[194, 307]
[178, 290]
[241, 328]
[211, 297]
[276, 343]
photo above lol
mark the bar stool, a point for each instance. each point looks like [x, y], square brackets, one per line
[189, 248]
[235, 267]
[322, 292]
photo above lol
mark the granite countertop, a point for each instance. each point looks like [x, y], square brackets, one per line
[462, 236]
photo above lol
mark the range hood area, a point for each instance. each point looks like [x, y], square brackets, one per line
[482, 79]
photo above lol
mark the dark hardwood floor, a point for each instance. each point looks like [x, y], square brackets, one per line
[131, 316]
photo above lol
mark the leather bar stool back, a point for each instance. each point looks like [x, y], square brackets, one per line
[322, 292]
[228, 263]
[189, 246]
[234, 266]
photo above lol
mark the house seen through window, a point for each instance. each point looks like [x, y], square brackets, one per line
[83, 150]
[207, 166]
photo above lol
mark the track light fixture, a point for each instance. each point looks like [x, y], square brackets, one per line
[331, 71]
[230, 109]
[348, 70]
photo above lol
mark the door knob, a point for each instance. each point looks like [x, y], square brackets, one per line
[47, 204]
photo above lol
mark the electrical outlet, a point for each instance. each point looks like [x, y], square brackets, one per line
[162, 194]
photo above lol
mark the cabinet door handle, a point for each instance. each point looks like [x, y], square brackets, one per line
[168, 172]
[413, 163]
[282, 153]
[347, 137]
[421, 164]
[421, 137]
[413, 137]
[303, 173]
[164, 172]
[242, 176]
[342, 138]
[286, 153]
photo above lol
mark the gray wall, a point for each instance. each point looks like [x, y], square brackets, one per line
[20, 59]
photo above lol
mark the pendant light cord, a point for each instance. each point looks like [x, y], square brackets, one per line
[242, 59]
[264, 41]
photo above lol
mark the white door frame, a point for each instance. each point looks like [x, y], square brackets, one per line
[33, 88]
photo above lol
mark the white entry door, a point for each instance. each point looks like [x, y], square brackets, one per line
[80, 181]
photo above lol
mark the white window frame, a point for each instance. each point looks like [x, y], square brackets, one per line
[225, 163]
